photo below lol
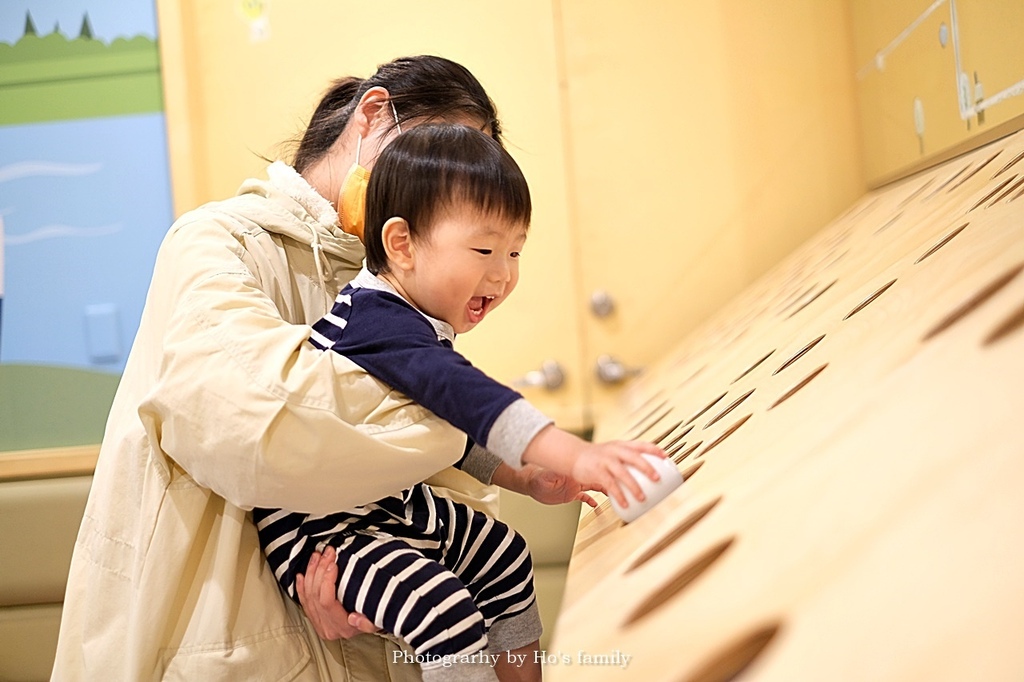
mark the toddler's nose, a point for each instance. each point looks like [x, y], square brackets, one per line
[501, 273]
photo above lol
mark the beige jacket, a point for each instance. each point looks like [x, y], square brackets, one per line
[224, 406]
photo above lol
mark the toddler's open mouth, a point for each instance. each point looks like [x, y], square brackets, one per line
[478, 306]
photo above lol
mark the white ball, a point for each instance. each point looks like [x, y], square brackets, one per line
[654, 491]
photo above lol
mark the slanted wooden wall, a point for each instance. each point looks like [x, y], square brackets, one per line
[850, 430]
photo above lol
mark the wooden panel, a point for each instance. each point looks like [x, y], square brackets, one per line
[849, 426]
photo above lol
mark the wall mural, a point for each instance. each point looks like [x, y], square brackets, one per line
[84, 202]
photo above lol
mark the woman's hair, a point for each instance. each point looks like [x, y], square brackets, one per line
[438, 167]
[423, 87]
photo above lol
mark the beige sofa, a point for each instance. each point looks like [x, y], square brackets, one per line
[42, 497]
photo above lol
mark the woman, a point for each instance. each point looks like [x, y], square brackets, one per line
[224, 406]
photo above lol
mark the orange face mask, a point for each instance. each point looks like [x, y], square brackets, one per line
[352, 198]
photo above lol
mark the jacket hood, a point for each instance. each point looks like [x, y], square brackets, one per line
[294, 209]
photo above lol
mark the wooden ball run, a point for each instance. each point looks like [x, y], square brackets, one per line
[851, 431]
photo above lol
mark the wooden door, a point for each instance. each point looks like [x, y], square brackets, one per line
[706, 141]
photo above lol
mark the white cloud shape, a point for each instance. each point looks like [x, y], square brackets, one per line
[59, 231]
[30, 169]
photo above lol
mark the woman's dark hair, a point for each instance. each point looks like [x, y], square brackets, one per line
[433, 168]
[423, 87]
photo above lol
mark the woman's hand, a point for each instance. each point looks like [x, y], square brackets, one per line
[318, 595]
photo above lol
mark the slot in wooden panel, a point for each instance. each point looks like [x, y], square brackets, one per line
[942, 242]
[799, 354]
[686, 453]
[754, 366]
[729, 663]
[678, 582]
[803, 382]
[974, 302]
[673, 535]
[1007, 327]
[732, 406]
[728, 432]
[869, 300]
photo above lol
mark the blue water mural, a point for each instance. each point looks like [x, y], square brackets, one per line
[85, 204]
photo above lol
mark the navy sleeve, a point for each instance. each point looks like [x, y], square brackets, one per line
[394, 343]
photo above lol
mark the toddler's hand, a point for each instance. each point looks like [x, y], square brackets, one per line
[603, 467]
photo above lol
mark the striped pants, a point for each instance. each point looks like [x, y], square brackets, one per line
[447, 579]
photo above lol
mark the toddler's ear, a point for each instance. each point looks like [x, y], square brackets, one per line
[397, 241]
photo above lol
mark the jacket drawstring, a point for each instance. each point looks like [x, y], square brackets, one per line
[321, 266]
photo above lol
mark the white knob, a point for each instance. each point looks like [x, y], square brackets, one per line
[601, 303]
[611, 371]
[550, 377]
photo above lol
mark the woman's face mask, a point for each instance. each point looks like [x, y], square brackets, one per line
[352, 201]
[352, 198]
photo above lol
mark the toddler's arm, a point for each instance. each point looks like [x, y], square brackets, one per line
[597, 466]
[392, 341]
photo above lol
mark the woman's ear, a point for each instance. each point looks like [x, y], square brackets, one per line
[397, 241]
[371, 106]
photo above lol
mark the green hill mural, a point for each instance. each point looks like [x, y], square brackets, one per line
[50, 407]
[53, 77]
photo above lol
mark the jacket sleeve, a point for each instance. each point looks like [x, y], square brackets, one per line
[249, 409]
[479, 463]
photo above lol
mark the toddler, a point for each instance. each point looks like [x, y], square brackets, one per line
[447, 212]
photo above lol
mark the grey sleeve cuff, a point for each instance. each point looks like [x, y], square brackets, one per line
[481, 463]
[513, 430]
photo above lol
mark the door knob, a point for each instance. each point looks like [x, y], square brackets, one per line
[550, 377]
[601, 303]
[611, 371]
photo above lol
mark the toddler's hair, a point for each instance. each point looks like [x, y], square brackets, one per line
[433, 168]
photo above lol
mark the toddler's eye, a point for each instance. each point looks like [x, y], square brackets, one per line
[514, 254]
[486, 252]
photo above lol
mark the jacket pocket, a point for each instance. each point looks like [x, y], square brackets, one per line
[275, 656]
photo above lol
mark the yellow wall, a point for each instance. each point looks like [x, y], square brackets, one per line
[900, 57]
[676, 151]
